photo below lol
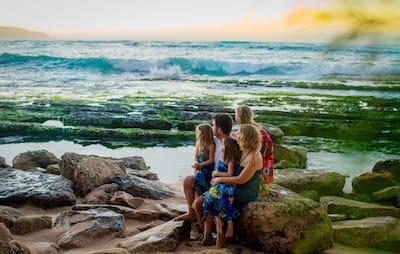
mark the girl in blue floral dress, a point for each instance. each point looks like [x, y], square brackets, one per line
[218, 201]
[203, 158]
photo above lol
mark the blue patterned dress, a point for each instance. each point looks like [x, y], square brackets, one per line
[217, 199]
[202, 178]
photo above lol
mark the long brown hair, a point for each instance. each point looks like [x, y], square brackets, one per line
[246, 115]
[249, 137]
[204, 138]
[232, 151]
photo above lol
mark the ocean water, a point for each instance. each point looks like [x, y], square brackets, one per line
[116, 68]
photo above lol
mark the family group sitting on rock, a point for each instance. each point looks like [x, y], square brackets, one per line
[229, 169]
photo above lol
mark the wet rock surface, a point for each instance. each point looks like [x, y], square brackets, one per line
[35, 187]
[140, 187]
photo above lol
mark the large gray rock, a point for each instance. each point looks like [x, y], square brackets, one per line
[296, 156]
[8, 215]
[288, 223]
[33, 186]
[85, 227]
[302, 181]
[371, 182]
[34, 159]
[375, 232]
[165, 237]
[392, 166]
[88, 172]
[356, 209]
[140, 187]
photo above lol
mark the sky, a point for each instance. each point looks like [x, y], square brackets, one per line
[157, 19]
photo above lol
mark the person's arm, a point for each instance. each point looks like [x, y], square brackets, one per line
[211, 149]
[195, 164]
[251, 167]
[230, 171]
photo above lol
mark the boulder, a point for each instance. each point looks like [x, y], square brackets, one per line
[133, 162]
[8, 245]
[3, 163]
[287, 223]
[126, 199]
[28, 224]
[356, 209]
[371, 182]
[101, 194]
[389, 195]
[125, 211]
[375, 232]
[33, 186]
[34, 159]
[53, 169]
[392, 166]
[85, 227]
[8, 215]
[275, 133]
[147, 174]
[165, 237]
[140, 187]
[320, 182]
[88, 172]
[294, 155]
[44, 248]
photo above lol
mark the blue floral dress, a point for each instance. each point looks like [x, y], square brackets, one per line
[217, 201]
[202, 178]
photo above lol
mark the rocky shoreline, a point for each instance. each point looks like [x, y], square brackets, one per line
[92, 204]
[144, 120]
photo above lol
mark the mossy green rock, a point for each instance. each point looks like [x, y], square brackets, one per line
[303, 181]
[356, 209]
[371, 182]
[295, 155]
[376, 232]
[392, 166]
[288, 223]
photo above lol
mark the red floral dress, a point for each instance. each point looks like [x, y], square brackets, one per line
[267, 151]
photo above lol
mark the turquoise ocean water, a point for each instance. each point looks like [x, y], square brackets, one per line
[121, 67]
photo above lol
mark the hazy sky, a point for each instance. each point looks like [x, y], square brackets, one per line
[150, 19]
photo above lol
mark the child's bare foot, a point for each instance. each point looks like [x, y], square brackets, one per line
[220, 240]
[187, 216]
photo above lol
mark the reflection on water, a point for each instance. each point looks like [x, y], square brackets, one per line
[169, 163]
[173, 163]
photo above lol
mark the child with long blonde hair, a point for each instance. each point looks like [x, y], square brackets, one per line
[203, 158]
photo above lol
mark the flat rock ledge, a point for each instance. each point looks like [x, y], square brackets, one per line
[165, 237]
[375, 232]
[356, 209]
